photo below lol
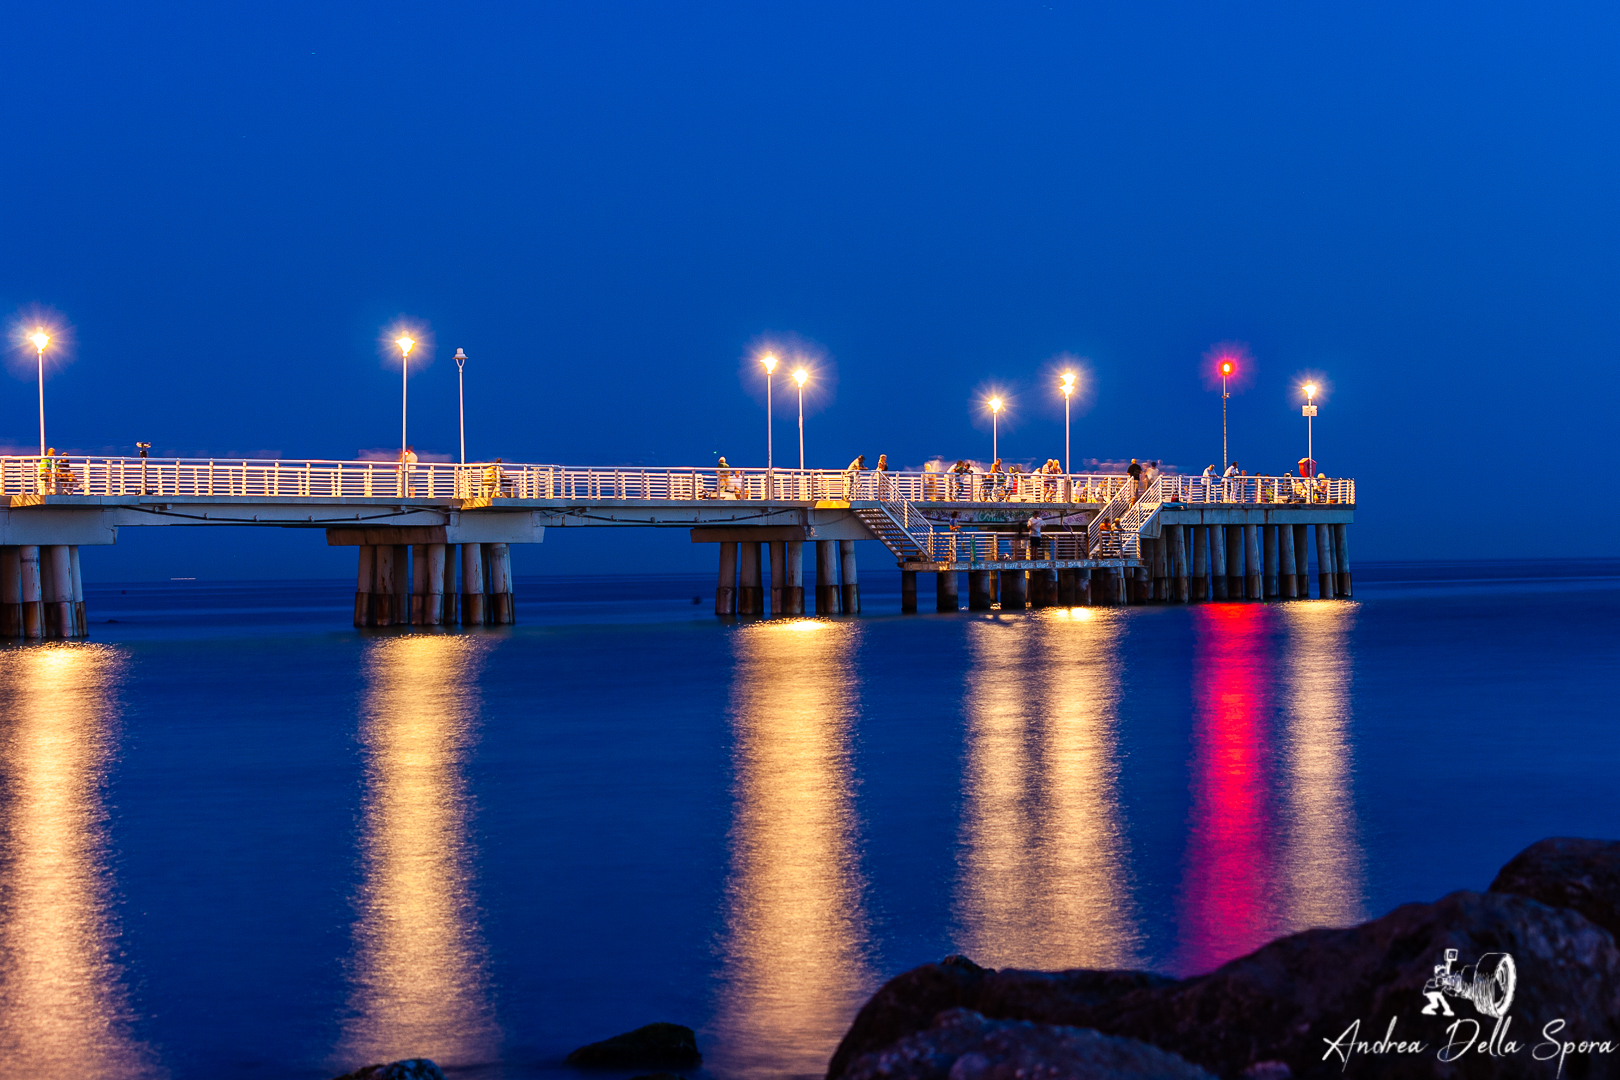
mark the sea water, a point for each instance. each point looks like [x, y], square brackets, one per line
[240, 838]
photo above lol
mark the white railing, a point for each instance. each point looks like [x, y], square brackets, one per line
[315, 479]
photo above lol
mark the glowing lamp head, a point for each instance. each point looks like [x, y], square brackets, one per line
[406, 344]
[801, 376]
[1068, 383]
[995, 405]
[1310, 390]
[40, 340]
[1226, 368]
[769, 360]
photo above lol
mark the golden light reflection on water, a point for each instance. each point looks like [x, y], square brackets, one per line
[795, 966]
[63, 1008]
[419, 974]
[1044, 865]
[1322, 857]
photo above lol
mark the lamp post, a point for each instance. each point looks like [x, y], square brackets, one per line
[1309, 413]
[995, 430]
[1226, 373]
[405, 343]
[799, 377]
[461, 401]
[40, 340]
[1068, 392]
[769, 360]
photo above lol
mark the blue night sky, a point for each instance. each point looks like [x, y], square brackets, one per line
[608, 205]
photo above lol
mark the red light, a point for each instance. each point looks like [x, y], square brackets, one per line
[1226, 367]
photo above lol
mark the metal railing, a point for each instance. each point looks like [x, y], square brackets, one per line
[318, 479]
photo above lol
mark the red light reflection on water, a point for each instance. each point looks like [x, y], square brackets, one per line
[1227, 894]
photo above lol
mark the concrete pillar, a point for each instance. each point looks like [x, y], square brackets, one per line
[946, 592]
[1341, 559]
[363, 613]
[1234, 562]
[1324, 562]
[81, 622]
[502, 604]
[751, 587]
[382, 601]
[1161, 566]
[1286, 579]
[434, 615]
[1199, 534]
[1269, 535]
[419, 576]
[1302, 560]
[793, 591]
[1252, 577]
[1082, 587]
[981, 590]
[826, 577]
[472, 584]
[402, 584]
[1121, 591]
[11, 620]
[1014, 590]
[56, 571]
[778, 554]
[850, 592]
[1178, 560]
[725, 591]
[908, 592]
[32, 591]
[1067, 580]
[452, 589]
[1217, 562]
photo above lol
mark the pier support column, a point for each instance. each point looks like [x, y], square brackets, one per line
[452, 588]
[11, 619]
[1083, 596]
[850, 591]
[60, 618]
[826, 577]
[946, 592]
[725, 591]
[1252, 578]
[1178, 560]
[1122, 595]
[1043, 587]
[1234, 562]
[1161, 567]
[778, 550]
[419, 576]
[908, 592]
[32, 591]
[1341, 558]
[981, 590]
[1269, 536]
[1286, 580]
[472, 584]
[793, 591]
[81, 623]
[503, 607]
[1068, 581]
[368, 562]
[1014, 590]
[1302, 559]
[434, 615]
[1199, 535]
[402, 584]
[1217, 562]
[382, 586]
[750, 587]
[1324, 562]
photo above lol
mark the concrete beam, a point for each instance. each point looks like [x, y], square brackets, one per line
[472, 528]
[41, 525]
[1278, 514]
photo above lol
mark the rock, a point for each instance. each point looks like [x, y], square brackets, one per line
[909, 1002]
[655, 1046]
[963, 1045]
[1276, 1012]
[1583, 875]
[409, 1069]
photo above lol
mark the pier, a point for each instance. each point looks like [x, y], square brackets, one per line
[434, 540]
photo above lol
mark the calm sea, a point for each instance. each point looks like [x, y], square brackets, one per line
[239, 838]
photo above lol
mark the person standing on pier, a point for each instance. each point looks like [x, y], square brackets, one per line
[1209, 479]
[1034, 524]
[852, 475]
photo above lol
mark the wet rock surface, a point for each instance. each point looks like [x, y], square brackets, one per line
[654, 1046]
[963, 1045]
[1583, 875]
[408, 1069]
[1319, 1003]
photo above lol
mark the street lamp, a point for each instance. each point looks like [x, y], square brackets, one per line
[405, 343]
[799, 377]
[40, 340]
[769, 360]
[995, 430]
[1226, 373]
[1068, 392]
[461, 401]
[1310, 417]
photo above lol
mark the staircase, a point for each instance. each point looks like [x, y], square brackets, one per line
[892, 523]
[1126, 538]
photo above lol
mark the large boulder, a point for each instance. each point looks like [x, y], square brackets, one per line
[1562, 871]
[963, 1045]
[1298, 1006]
[408, 1069]
[653, 1046]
